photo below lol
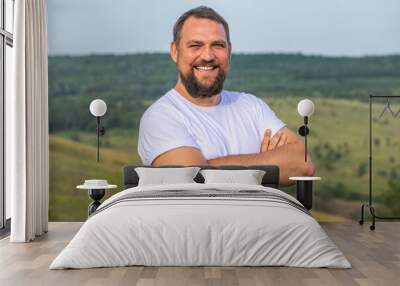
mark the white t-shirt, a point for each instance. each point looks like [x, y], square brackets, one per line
[235, 126]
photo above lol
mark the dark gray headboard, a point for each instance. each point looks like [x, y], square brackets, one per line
[270, 179]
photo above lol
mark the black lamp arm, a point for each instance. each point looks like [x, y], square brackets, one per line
[100, 131]
[304, 131]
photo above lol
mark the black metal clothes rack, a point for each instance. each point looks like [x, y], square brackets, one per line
[370, 205]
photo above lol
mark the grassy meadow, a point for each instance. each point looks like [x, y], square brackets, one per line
[338, 144]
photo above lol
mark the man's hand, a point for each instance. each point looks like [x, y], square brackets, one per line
[278, 140]
[286, 152]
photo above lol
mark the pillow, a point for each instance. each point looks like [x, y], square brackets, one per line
[163, 176]
[249, 177]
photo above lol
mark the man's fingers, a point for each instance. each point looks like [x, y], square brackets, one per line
[274, 141]
[282, 141]
[286, 138]
[266, 140]
[278, 140]
[264, 147]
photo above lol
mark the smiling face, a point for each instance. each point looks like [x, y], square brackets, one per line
[202, 56]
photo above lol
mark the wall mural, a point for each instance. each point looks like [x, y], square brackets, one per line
[130, 82]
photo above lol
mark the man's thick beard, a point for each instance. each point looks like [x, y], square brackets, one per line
[197, 90]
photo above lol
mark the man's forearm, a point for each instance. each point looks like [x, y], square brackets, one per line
[289, 158]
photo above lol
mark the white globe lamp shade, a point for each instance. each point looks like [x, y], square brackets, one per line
[98, 107]
[305, 107]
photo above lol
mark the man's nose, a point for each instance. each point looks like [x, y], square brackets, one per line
[207, 54]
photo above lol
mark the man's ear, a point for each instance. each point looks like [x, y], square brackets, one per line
[174, 51]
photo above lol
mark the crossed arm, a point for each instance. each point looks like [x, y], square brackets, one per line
[285, 149]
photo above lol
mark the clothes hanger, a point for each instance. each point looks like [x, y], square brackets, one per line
[388, 107]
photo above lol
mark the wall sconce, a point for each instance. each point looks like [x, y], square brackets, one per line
[305, 108]
[304, 191]
[98, 108]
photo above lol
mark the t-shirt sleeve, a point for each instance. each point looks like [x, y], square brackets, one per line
[268, 119]
[161, 130]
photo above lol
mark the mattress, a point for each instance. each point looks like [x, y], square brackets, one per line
[201, 225]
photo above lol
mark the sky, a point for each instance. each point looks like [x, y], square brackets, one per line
[312, 27]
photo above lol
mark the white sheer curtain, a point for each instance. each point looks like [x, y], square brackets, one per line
[27, 124]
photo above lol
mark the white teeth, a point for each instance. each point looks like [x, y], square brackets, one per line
[205, 68]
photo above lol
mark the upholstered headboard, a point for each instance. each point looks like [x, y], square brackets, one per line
[270, 179]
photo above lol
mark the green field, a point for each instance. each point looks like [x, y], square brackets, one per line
[338, 142]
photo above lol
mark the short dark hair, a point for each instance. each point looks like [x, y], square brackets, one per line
[201, 12]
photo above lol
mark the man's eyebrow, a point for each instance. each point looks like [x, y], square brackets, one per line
[219, 42]
[194, 42]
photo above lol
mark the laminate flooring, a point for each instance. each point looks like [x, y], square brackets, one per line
[374, 255]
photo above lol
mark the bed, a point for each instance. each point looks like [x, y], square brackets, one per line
[201, 224]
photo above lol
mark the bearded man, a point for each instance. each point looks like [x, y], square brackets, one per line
[199, 123]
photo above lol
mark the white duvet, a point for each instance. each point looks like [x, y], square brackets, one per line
[200, 231]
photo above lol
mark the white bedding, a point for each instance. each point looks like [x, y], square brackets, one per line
[200, 231]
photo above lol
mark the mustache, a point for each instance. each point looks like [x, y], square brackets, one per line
[211, 63]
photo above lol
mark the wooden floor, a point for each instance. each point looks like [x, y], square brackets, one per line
[375, 256]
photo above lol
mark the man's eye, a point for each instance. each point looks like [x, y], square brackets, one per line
[194, 46]
[220, 46]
